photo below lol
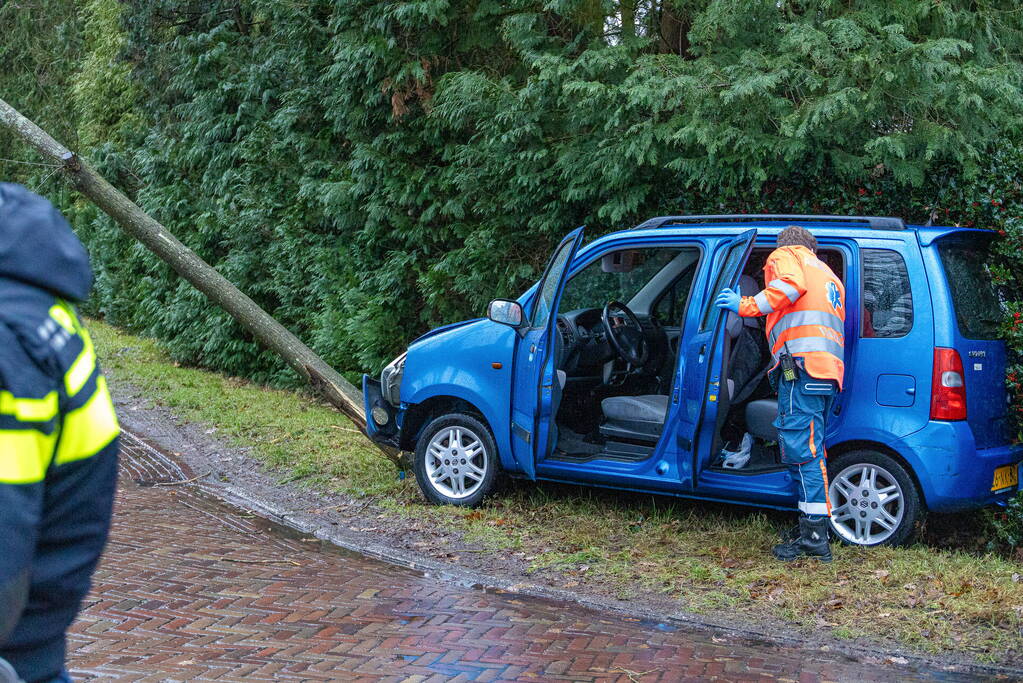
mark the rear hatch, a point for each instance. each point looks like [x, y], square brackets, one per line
[978, 308]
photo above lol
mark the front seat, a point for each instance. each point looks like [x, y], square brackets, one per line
[638, 418]
[760, 416]
[749, 358]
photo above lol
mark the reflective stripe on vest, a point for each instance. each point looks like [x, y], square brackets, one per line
[763, 304]
[785, 288]
[811, 344]
[89, 429]
[30, 431]
[90, 424]
[27, 437]
[84, 365]
[25, 455]
[801, 318]
[29, 409]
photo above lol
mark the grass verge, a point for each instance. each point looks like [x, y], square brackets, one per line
[699, 557]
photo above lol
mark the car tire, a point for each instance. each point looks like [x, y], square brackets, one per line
[874, 500]
[456, 460]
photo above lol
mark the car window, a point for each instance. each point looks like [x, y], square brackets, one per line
[729, 265]
[616, 276]
[549, 287]
[887, 295]
[972, 286]
[672, 305]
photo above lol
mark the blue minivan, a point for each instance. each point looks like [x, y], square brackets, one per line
[617, 370]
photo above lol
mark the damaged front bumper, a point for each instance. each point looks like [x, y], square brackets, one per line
[381, 417]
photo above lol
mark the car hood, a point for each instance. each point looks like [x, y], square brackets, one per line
[443, 329]
[38, 247]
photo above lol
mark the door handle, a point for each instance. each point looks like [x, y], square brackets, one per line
[532, 348]
[911, 391]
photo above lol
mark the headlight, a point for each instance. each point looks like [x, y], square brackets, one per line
[390, 380]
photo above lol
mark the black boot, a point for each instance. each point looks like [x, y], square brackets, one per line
[812, 542]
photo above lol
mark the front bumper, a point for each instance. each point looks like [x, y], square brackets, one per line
[378, 429]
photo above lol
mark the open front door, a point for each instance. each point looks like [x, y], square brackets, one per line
[535, 388]
[700, 382]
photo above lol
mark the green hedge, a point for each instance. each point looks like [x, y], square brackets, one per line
[367, 170]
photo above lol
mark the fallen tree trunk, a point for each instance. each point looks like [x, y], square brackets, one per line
[323, 378]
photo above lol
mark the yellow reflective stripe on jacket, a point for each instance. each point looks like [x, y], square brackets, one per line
[83, 367]
[24, 455]
[89, 429]
[64, 316]
[81, 370]
[29, 409]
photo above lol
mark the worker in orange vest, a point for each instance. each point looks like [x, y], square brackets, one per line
[804, 302]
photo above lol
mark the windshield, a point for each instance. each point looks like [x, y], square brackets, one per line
[617, 276]
[975, 296]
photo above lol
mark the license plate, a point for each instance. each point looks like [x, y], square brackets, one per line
[1005, 477]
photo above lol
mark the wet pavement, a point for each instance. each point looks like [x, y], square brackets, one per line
[192, 589]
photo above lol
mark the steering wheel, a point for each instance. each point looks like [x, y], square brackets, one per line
[623, 329]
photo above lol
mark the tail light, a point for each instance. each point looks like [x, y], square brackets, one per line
[948, 386]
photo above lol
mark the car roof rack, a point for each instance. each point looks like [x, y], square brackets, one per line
[875, 222]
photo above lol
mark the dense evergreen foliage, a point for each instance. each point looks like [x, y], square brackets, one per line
[368, 169]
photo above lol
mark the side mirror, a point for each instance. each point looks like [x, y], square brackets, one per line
[506, 312]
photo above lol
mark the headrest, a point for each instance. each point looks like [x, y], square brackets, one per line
[748, 287]
[733, 325]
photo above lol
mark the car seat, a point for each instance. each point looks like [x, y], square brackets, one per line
[637, 418]
[749, 362]
[749, 359]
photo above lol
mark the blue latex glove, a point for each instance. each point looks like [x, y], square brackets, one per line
[729, 300]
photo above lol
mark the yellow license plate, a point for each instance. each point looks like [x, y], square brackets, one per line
[1005, 477]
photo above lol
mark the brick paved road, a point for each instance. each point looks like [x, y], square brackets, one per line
[193, 590]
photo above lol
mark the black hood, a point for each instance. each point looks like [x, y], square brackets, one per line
[37, 245]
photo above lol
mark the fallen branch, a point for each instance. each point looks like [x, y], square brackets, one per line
[183, 481]
[345, 429]
[231, 559]
[332, 386]
[634, 676]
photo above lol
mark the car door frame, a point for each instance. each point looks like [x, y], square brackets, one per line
[774, 487]
[525, 444]
[699, 376]
[665, 470]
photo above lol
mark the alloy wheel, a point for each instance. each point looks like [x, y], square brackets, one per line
[868, 504]
[456, 462]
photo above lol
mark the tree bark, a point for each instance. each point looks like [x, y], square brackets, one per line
[628, 14]
[674, 31]
[324, 379]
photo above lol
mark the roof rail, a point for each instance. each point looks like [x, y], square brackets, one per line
[875, 222]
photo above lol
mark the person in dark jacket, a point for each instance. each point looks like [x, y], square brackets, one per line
[58, 436]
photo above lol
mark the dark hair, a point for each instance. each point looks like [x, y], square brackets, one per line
[795, 236]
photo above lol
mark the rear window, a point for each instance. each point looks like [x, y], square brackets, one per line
[887, 295]
[972, 286]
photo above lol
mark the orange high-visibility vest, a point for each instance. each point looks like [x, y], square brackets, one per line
[804, 302]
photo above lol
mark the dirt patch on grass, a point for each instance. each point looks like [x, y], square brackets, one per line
[654, 553]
